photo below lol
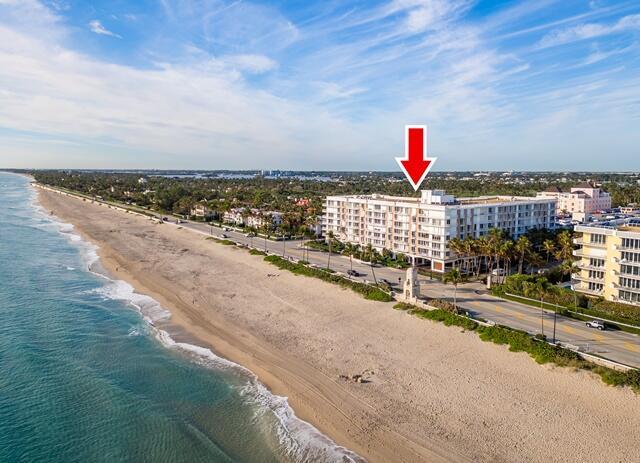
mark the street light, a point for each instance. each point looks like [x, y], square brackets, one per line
[284, 243]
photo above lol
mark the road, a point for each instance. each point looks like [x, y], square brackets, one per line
[616, 345]
[612, 344]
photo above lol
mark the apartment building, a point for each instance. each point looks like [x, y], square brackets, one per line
[422, 227]
[582, 201]
[610, 260]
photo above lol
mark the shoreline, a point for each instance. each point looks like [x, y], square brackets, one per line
[396, 418]
[222, 344]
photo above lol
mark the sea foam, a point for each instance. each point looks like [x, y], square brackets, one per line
[299, 439]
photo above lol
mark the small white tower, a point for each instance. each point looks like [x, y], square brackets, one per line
[411, 284]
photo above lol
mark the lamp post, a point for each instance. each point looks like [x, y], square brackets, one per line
[542, 316]
[284, 243]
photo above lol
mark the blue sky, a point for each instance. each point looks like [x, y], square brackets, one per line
[208, 84]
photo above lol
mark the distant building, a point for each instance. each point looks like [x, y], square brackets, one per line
[610, 260]
[201, 210]
[422, 227]
[581, 202]
[142, 180]
[242, 216]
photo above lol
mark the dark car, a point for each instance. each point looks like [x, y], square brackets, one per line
[353, 273]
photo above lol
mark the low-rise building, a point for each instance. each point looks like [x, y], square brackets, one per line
[609, 260]
[202, 210]
[581, 201]
[422, 227]
[255, 218]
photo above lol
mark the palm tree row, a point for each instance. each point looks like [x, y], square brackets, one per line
[496, 250]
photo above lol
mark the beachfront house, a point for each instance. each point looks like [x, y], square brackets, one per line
[255, 218]
[202, 210]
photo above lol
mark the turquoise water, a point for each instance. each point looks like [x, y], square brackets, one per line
[84, 378]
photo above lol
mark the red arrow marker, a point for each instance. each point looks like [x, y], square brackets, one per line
[415, 164]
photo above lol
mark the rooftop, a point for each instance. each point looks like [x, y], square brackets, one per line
[439, 197]
[628, 224]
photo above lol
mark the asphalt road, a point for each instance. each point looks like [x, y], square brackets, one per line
[615, 345]
[473, 297]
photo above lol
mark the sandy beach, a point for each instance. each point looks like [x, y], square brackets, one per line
[435, 393]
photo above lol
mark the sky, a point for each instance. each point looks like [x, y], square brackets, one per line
[327, 85]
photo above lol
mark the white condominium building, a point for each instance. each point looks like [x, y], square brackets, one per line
[422, 227]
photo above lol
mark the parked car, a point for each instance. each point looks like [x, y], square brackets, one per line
[224, 236]
[498, 272]
[250, 235]
[597, 324]
[353, 273]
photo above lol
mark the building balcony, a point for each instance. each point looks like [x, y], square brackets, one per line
[590, 267]
[619, 247]
[618, 260]
[582, 242]
[579, 277]
[626, 288]
[586, 290]
[590, 252]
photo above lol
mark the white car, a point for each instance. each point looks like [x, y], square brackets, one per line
[597, 324]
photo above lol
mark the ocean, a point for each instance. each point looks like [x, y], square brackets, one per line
[86, 377]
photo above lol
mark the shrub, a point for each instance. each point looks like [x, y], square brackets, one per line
[369, 292]
[257, 252]
[444, 305]
[447, 318]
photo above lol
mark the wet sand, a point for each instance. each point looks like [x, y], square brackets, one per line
[436, 393]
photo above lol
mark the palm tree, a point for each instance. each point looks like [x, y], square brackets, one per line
[494, 239]
[454, 277]
[565, 246]
[371, 253]
[569, 267]
[505, 251]
[456, 245]
[522, 248]
[540, 288]
[349, 250]
[330, 236]
[549, 247]
[535, 261]
[470, 250]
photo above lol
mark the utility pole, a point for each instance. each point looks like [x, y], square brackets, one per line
[542, 317]
[284, 243]
[555, 315]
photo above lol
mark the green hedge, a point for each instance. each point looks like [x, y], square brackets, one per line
[225, 242]
[368, 291]
[597, 307]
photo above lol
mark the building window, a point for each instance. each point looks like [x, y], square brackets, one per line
[597, 239]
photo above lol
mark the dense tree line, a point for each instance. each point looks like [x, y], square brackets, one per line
[179, 194]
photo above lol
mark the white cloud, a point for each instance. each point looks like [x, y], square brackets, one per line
[255, 64]
[192, 110]
[332, 90]
[97, 27]
[589, 31]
